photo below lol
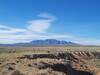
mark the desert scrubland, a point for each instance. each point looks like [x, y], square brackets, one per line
[49, 60]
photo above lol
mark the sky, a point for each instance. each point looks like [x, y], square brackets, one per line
[71, 20]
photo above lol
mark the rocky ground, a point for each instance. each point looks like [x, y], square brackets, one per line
[73, 63]
[49, 60]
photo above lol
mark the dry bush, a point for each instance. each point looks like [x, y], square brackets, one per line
[17, 73]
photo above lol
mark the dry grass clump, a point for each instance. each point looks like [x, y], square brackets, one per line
[17, 73]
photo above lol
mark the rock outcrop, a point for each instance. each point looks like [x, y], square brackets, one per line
[72, 63]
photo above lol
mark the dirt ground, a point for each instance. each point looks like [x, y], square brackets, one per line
[14, 63]
[10, 63]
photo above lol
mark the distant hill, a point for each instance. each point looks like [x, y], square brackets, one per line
[51, 42]
[46, 42]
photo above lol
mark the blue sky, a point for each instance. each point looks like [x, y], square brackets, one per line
[71, 20]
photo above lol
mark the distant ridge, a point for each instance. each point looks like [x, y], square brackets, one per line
[46, 42]
[51, 42]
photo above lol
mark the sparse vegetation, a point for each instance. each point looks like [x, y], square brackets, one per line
[43, 60]
[16, 73]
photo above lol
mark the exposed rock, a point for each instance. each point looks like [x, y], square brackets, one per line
[10, 68]
[75, 63]
[81, 62]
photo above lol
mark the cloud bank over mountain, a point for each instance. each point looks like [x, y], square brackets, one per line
[37, 29]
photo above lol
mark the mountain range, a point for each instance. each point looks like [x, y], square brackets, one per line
[46, 42]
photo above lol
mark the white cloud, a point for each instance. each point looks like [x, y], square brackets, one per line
[37, 29]
[85, 41]
[32, 31]
[47, 16]
[41, 25]
[6, 29]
